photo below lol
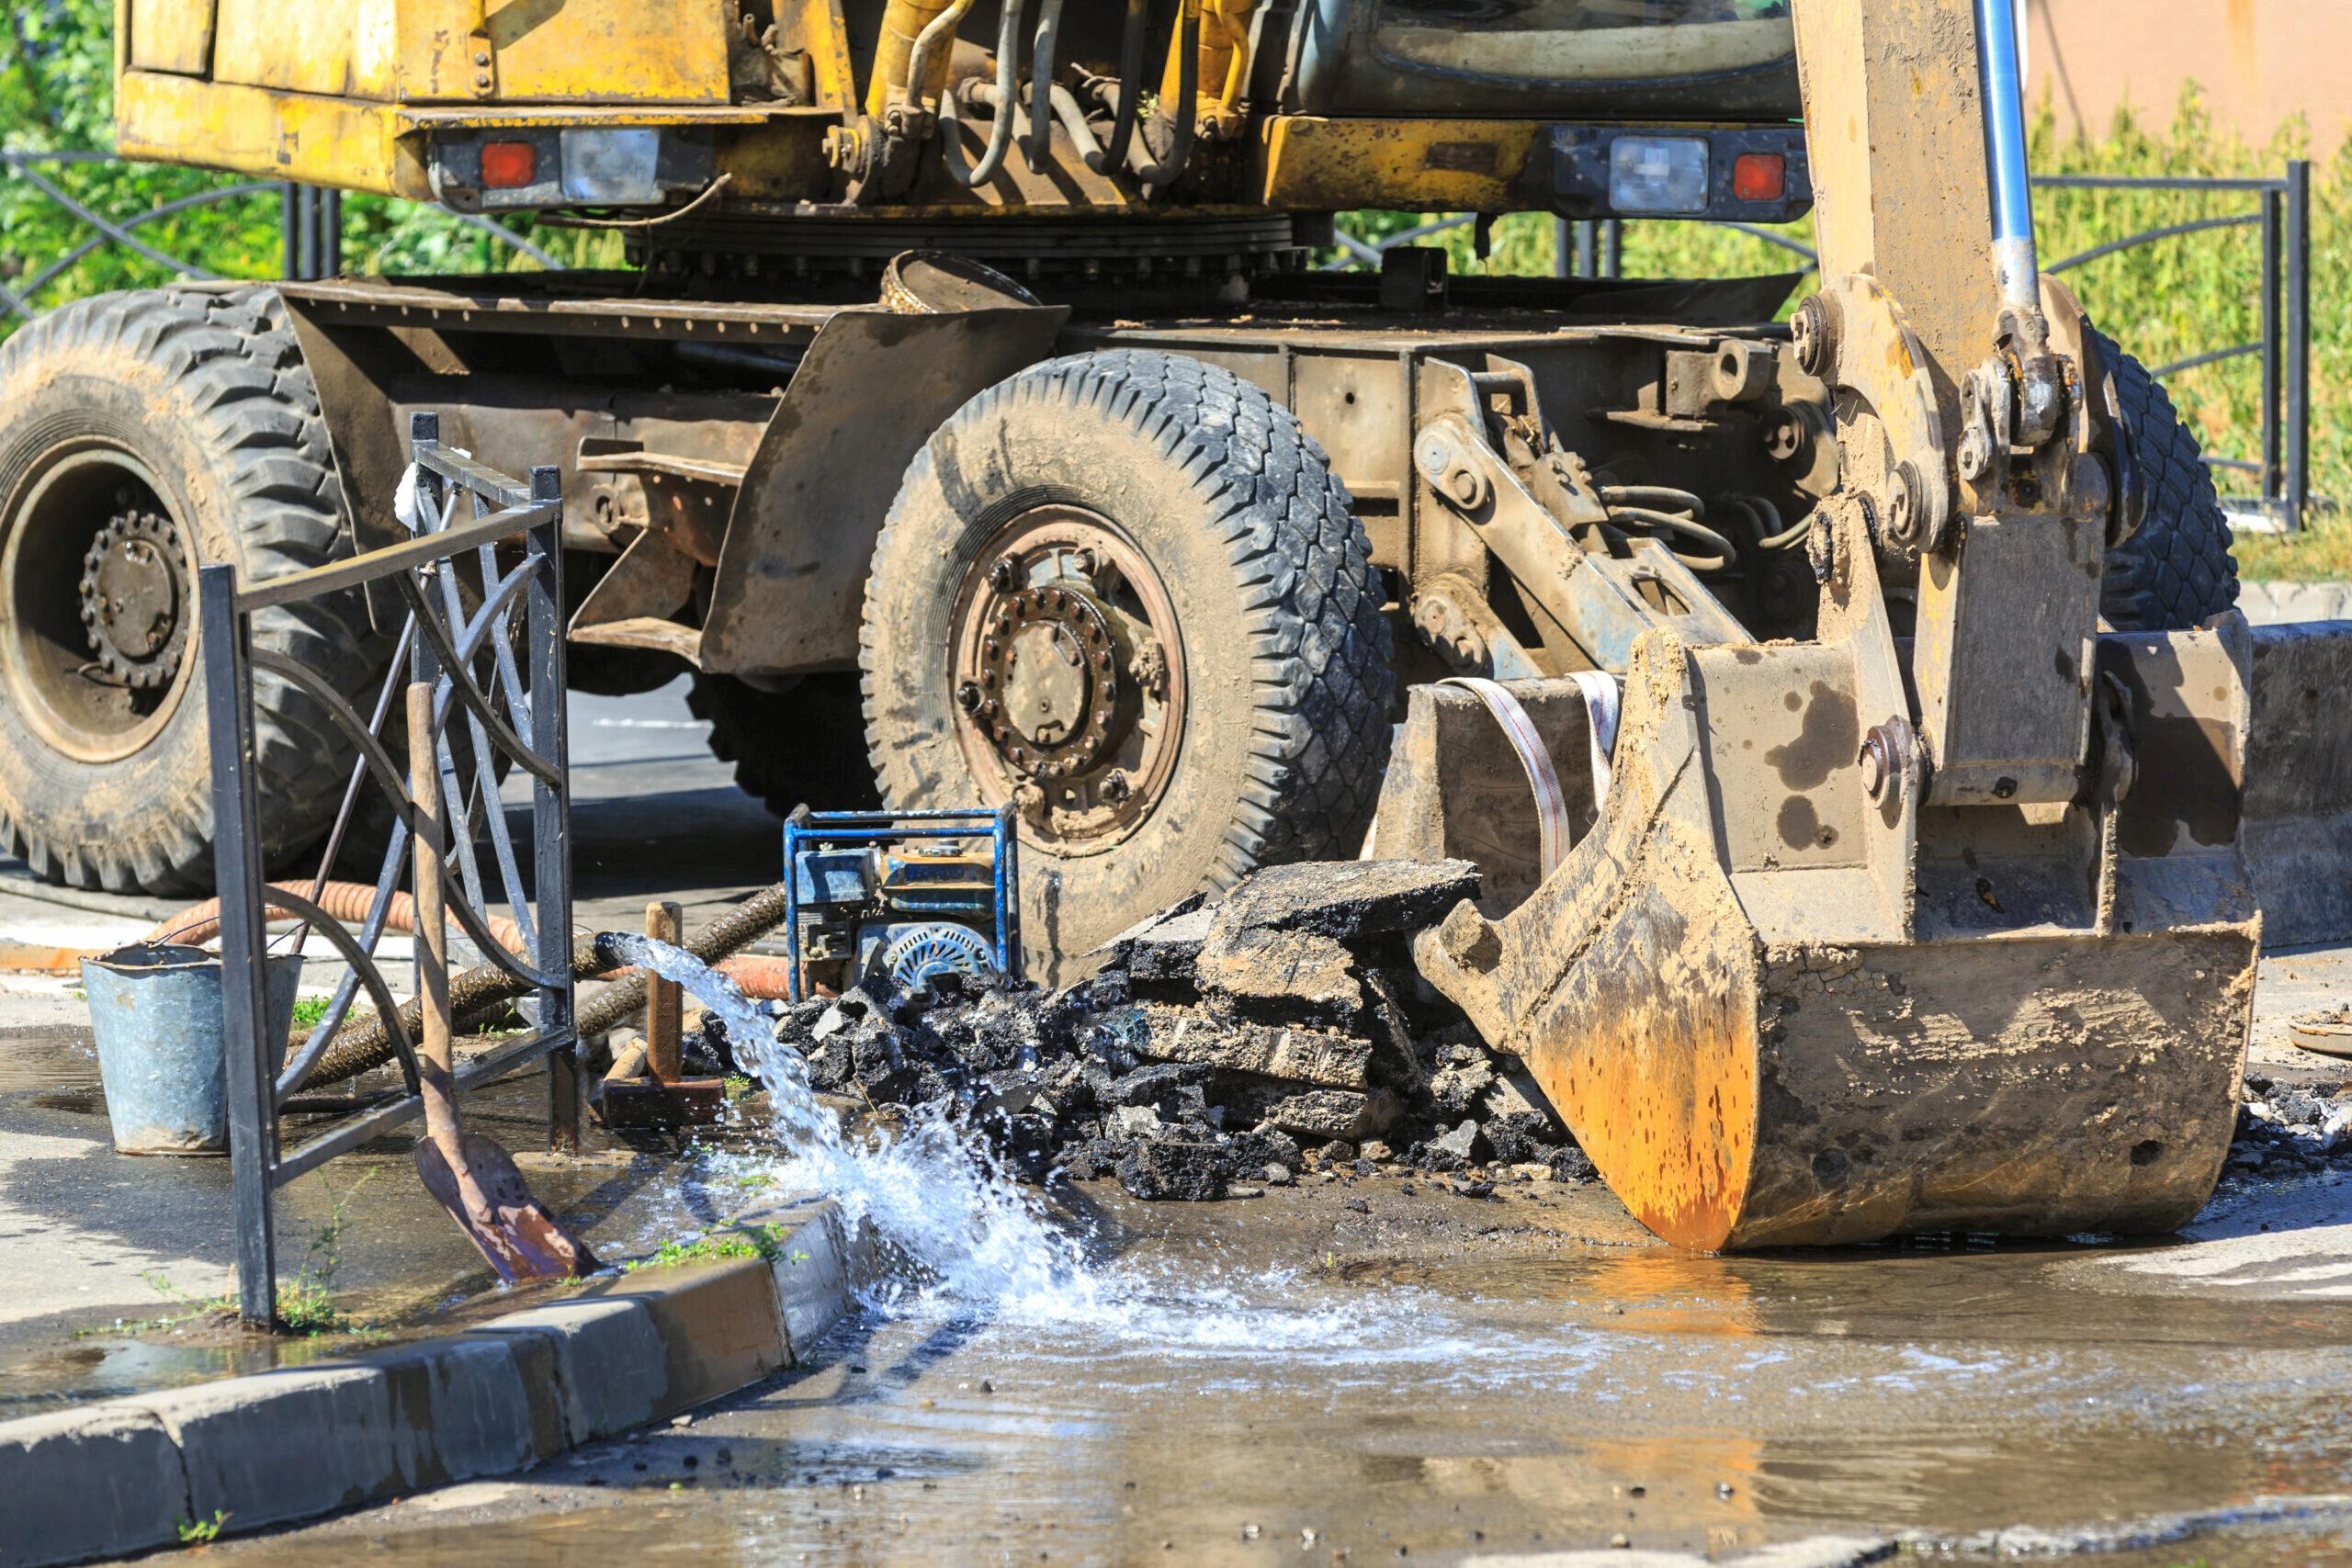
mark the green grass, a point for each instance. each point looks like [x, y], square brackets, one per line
[736, 1241]
[202, 1532]
[57, 95]
[2164, 302]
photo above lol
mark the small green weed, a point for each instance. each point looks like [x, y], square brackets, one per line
[304, 1307]
[737, 1085]
[201, 1532]
[751, 1241]
[308, 1010]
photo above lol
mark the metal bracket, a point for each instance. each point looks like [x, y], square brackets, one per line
[1595, 600]
[1852, 334]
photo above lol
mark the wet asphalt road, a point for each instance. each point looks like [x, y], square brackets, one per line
[1289, 1379]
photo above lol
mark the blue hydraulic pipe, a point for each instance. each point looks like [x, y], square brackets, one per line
[2013, 258]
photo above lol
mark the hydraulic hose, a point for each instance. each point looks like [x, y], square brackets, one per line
[1041, 84]
[1123, 112]
[346, 901]
[926, 45]
[358, 1049]
[1188, 89]
[1073, 119]
[1647, 507]
[1008, 82]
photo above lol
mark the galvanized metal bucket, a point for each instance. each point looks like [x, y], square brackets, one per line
[155, 1011]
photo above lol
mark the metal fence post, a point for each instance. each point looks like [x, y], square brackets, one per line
[2271, 252]
[290, 229]
[550, 809]
[1612, 247]
[244, 988]
[2298, 397]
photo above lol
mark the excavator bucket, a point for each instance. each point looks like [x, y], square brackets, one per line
[1764, 1030]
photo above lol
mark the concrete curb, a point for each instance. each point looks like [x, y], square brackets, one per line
[122, 1475]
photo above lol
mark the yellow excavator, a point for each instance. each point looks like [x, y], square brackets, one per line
[1879, 799]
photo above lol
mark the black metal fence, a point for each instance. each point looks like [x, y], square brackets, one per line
[467, 654]
[2282, 469]
[311, 228]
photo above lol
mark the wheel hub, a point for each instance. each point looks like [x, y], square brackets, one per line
[1070, 703]
[1049, 681]
[134, 599]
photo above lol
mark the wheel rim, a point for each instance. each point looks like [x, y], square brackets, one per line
[98, 582]
[1066, 672]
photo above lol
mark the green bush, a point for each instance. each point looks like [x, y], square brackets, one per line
[57, 96]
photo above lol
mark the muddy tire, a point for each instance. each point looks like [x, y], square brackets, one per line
[1180, 540]
[2177, 572]
[805, 745]
[191, 416]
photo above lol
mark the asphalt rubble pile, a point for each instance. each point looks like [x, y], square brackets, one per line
[2287, 1130]
[1221, 1046]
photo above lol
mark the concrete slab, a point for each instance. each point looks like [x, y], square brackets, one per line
[460, 1408]
[718, 1325]
[610, 1363]
[282, 1445]
[97, 1482]
[816, 1265]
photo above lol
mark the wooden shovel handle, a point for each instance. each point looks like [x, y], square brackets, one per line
[435, 1056]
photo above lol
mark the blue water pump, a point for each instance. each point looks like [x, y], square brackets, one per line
[915, 895]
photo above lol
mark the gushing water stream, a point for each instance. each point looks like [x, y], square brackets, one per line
[965, 1230]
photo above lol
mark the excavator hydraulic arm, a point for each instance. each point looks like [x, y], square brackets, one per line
[1870, 935]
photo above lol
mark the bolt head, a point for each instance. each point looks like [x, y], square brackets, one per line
[1434, 452]
[1874, 765]
[481, 59]
[482, 81]
[1000, 573]
[968, 696]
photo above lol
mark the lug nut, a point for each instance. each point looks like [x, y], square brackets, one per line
[1000, 573]
[968, 696]
[1115, 788]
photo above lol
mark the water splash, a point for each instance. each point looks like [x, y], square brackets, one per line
[942, 1201]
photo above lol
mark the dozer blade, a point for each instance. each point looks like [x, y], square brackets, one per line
[1777, 1010]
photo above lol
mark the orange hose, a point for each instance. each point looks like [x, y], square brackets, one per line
[763, 977]
[346, 901]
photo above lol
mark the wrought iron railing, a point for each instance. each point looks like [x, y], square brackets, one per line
[468, 655]
[2282, 470]
[310, 230]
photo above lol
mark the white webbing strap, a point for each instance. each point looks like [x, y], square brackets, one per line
[1551, 808]
[1599, 692]
[1600, 689]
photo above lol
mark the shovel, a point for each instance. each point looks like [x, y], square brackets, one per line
[473, 1178]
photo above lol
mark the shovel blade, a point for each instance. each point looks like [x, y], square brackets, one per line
[521, 1239]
